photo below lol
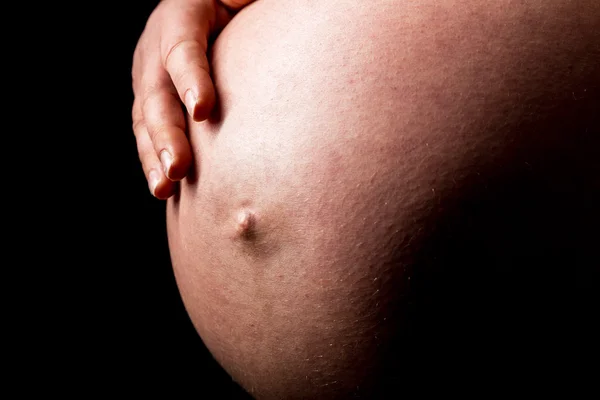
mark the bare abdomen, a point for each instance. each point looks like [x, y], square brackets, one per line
[356, 152]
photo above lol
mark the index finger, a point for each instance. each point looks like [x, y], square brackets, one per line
[183, 48]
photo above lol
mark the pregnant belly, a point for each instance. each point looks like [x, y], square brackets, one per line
[344, 131]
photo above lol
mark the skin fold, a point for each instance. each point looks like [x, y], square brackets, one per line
[389, 190]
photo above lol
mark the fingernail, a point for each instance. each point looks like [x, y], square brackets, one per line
[153, 180]
[166, 159]
[190, 102]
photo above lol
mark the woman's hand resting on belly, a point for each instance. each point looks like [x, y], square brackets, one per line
[170, 67]
[365, 161]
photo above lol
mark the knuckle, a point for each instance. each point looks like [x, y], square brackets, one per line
[158, 133]
[138, 125]
[159, 105]
[158, 92]
[151, 97]
[179, 47]
[136, 112]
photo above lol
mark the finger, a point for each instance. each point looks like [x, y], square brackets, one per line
[149, 77]
[165, 122]
[183, 49]
[187, 64]
[160, 186]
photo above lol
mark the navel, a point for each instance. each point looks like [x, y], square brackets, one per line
[245, 224]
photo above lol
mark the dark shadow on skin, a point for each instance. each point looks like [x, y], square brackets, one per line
[495, 301]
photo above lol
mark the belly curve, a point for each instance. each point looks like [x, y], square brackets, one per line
[311, 183]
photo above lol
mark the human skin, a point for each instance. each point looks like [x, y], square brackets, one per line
[170, 66]
[359, 145]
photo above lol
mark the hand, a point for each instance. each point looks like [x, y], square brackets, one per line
[170, 66]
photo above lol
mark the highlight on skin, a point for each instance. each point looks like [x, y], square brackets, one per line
[407, 172]
[245, 224]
